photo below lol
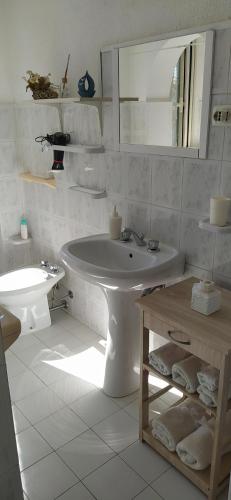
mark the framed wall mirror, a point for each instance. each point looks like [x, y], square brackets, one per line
[160, 90]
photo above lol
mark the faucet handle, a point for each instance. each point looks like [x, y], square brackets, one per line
[54, 269]
[125, 235]
[44, 263]
[141, 236]
[153, 246]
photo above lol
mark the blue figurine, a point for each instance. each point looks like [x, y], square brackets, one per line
[90, 90]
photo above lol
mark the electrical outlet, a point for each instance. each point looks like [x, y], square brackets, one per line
[221, 116]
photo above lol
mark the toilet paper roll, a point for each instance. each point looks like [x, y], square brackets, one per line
[219, 210]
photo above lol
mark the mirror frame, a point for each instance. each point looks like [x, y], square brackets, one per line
[201, 151]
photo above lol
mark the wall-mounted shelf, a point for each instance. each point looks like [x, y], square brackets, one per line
[69, 100]
[205, 224]
[90, 101]
[94, 193]
[81, 100]
[49, 181]
[79, 148]
[16, 239]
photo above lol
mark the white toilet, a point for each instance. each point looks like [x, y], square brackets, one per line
[24, 293]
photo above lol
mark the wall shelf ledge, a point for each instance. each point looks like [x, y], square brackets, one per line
[79, 148]
[205, 224]
[47, 181]
[16, 239]
[93, 193]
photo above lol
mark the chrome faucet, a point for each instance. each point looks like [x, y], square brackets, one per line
[138, 237]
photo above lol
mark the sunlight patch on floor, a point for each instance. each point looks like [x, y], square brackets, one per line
[89, 365]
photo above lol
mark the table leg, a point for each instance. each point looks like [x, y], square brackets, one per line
[223, 390]
[144, 350]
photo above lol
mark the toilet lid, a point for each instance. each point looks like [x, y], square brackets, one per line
[22, 278]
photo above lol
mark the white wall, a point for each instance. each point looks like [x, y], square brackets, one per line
[162, 196]
[5, 80]
[11, 193]
[41, 34]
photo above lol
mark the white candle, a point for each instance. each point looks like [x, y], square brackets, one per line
[219, 210]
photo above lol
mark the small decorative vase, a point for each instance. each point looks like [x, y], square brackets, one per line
[90, 90]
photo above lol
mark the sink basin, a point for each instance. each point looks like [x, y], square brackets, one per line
[123, 271]
[118, 265]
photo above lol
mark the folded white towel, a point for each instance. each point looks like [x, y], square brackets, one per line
[209, 397]
[185, 373]
[163, 358]
[196, 449]
[209, 377]
[177, 422]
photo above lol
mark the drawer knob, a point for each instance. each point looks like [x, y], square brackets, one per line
[172, 332]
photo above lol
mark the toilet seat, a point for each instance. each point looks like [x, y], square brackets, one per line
[24, 292]
[25, 278]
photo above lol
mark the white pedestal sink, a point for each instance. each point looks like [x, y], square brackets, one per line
[123, 270]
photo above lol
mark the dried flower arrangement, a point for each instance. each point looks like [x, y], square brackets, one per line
[41, 86]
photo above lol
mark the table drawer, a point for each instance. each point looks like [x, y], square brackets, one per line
[183, 340]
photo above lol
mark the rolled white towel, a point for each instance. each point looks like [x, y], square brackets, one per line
[208, 397]
[209, 377]
[196, 449]
[177, 422]
[185, 373]
[163, 358]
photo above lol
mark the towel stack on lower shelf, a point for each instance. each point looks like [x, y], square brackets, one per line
[184, 429]
[177, 423]
[196, 449]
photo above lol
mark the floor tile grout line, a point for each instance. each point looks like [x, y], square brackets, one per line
[67, 405]
[91, 428]
[60, 457]
[142, 491]
[157, 493]
[119, 408]
[66, 491]
[36, 462]
[35, 428]
[100, 421]
[69, 489]
[137, 473]
[85, 486]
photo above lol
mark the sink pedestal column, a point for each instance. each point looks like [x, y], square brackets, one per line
[122, 353]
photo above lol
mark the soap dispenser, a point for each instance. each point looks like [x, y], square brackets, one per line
[115, 225]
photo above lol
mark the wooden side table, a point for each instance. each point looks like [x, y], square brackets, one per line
[10, 328]
[168, 313]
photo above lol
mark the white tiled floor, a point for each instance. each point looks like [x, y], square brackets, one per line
[74, 442]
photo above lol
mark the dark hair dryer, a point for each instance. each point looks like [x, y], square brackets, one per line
[56, 139]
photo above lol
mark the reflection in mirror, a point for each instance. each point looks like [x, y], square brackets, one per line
[160, 90]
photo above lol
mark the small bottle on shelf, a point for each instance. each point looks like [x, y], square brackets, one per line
[24, 228]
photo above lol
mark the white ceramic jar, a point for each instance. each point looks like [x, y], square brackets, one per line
[206, 299]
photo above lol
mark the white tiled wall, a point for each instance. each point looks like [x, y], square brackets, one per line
[162, 196]
[11, 193]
